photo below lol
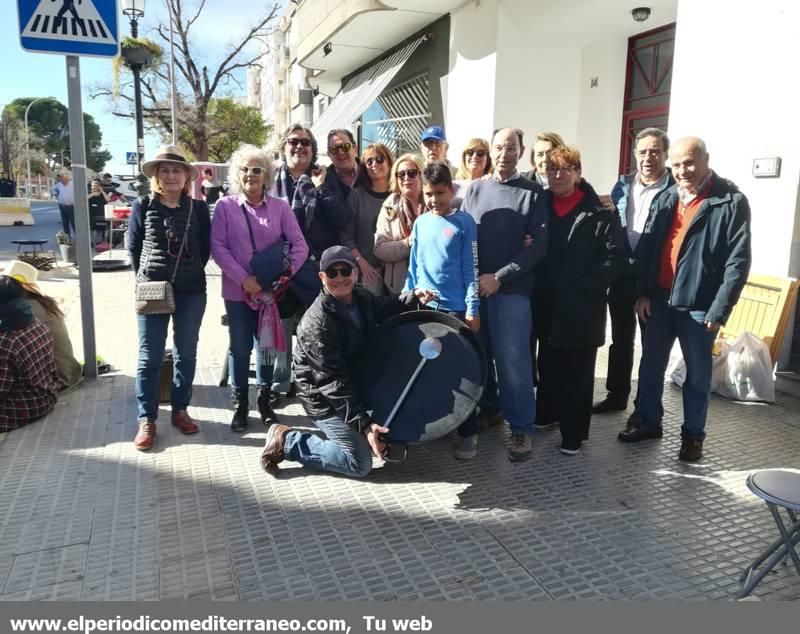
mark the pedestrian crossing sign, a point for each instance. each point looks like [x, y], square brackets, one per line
[69, 27]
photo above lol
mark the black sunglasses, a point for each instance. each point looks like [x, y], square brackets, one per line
[380, 159]
[480, 153]
[410, 173]
[333, 272]
[342, 148]
[295, 141]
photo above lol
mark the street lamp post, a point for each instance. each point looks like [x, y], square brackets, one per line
[28, 146]
[173, 98]
[134, 9]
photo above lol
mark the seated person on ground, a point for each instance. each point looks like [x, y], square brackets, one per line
[46, 310]
[27, 367]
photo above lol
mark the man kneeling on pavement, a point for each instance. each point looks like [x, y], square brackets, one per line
[330, 337]
[695, 260]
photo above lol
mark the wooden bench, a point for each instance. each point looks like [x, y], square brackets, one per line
[764, 308]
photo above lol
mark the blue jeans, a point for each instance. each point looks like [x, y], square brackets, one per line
[67, 219]
[664, 326]
[506, 328]
[344, 451]
[186, 320]
[243, 334]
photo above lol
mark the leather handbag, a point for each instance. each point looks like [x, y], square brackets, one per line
[158, 298]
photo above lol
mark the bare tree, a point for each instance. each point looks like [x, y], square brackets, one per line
[196, 84]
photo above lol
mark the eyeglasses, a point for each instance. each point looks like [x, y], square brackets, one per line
[255, 171]
[556, 171]
[294, 141]
[334, 272]
[380, 159]
[402, 174]
[342, 148]
[478, 153]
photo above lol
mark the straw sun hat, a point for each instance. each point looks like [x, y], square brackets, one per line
[167, 154]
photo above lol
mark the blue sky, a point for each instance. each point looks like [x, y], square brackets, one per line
[35, 75]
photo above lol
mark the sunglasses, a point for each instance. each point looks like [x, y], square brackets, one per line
[294, 141]
[478, 153]
[402, 174]
[342, 148]
[169, 224]
[255, 171]
[379, 159]
[334, 272]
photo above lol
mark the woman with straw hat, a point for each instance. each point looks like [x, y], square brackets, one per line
[169, 240]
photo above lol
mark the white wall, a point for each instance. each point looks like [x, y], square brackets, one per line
[547, 54]
[468, 94]
[735, 85]
[600, 110]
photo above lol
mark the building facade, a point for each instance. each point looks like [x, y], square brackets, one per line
[590, 70]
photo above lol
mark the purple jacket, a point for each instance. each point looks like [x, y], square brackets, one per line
[271, 221]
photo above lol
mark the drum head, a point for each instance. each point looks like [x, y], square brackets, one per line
[445, 392]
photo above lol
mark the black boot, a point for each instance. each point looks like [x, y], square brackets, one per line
[241, 406]
[265, 408]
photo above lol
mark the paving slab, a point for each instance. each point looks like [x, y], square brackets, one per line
[84, 516]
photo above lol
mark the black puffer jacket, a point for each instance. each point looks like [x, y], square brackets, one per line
[154, 256]
[571, 313]
[328, 344]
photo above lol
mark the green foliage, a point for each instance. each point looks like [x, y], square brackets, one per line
[48, 121]
[230, 124]
[119, 61]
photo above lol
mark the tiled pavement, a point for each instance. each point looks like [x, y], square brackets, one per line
[85, 516]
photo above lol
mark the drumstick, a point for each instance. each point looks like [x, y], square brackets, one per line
[429, 348]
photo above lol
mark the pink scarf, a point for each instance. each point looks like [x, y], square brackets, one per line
[270, 330]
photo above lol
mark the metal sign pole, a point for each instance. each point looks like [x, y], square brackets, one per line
[84, 246]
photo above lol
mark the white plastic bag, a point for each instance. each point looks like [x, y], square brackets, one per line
[677, 369]
[748, 371]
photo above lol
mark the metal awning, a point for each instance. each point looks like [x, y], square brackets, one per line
[361, 91]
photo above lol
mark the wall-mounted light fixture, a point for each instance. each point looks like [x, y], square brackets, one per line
[326, 50]
[640, 14]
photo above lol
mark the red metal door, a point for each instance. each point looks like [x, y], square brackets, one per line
[647, 88]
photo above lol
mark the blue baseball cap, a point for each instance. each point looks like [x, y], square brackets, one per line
[433, 132]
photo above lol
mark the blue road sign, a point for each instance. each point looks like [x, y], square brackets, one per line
[69, 27]
[131, 158]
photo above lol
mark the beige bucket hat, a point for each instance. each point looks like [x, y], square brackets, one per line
[168, 154]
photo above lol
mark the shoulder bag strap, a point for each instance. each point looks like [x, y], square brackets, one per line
[183, 242]
[249, 228]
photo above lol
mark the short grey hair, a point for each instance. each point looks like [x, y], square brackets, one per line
[243, 155]
[658, 133]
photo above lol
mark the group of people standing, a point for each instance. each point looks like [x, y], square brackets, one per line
[529, 262]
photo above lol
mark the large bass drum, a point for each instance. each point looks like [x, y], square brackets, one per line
[447, 388]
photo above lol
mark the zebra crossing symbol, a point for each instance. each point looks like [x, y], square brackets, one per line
[71, 27]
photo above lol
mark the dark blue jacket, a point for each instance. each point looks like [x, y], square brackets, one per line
[621, 197]
[714, 259]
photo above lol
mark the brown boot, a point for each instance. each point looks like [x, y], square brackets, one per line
[146, 435]
[273, 448]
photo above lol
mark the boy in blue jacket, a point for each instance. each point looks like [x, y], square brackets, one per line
[444, 262]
